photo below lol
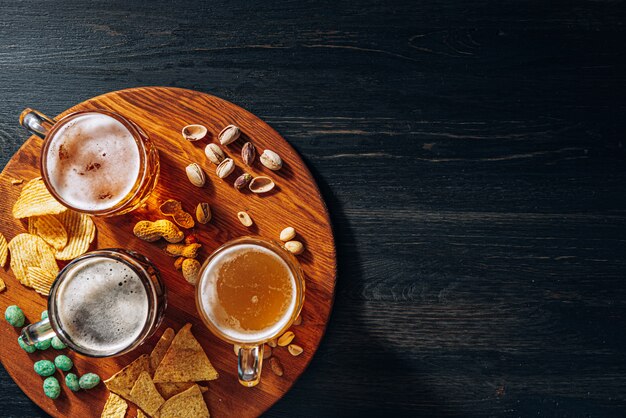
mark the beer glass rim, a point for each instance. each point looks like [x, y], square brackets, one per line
[136, 133]
[129, 259]
[278, 249]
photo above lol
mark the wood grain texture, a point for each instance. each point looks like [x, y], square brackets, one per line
[162, 113]
[471, 155]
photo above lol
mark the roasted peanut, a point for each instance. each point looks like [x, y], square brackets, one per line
[191, 270]
[182, 250]
[153, 231]
[178, 264]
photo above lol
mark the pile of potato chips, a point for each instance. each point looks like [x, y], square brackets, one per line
[54, 233]
[163, 384]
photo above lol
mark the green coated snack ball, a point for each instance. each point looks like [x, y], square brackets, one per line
[57, 344]
[89, 381]
[51, 387]
[44, 314]
[26, 347]
[43, 345]
[14, 316]
[44, 368]
[71, 381]
[63, 363]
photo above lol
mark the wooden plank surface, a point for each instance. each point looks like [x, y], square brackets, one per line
[472, 157]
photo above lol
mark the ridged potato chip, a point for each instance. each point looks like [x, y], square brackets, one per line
[50, 229]
[36, 200]
[4, 250]
[30, 251]
[2, 285]
[40, 279]
[80, 233]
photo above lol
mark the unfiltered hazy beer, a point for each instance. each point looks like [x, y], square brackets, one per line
[102, 305]
[248, 292]
[92, 162]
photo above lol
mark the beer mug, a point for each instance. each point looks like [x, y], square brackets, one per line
[250, 291]
[95, 162]
[103, 303]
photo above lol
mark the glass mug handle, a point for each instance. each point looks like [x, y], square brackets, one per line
[39, 331]
[249, 362]
[36, 122]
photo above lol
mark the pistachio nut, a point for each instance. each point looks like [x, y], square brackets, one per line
[245, 219]
[214, 153]
[195, 174]
[225, 168]
[271, 160]
[248, 153]
[229, 134]
[242, 181]
[203, 212]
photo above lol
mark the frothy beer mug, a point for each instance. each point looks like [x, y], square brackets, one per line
[104, 303]
[250, 291]
[95, 162]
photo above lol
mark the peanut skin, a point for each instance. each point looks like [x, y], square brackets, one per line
[153, 231]
[187, 251]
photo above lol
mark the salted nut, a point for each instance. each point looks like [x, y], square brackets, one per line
[242, 181]
[225, 168]
[195, 174]
[288, 234]
[248, 153]
[229, 134]
[271, 160]
[214, 153]
[203, 212]
[261, 184]
[194, 133]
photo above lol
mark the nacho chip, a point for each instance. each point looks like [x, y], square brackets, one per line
[4, 250]
[185, 361]
[80, 233]
[140, 414]
[50, 229]
[145, 395]
[30, 251]
[36, 200]
[123, 381]
[167, 390]
[3, 285]
[115, 407]
[189, 404]
[160, 349]
[40, 279]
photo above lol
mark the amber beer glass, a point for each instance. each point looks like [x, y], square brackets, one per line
[95, 162]
[250, 291]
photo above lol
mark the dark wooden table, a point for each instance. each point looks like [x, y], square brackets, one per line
[471, 155]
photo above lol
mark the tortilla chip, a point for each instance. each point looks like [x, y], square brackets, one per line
[50, 229]
[30, 251]
[140, 414]
[115, 407]
[189, 404]
[185, 361]
[40, 279]
[160, 349]
[80, 233]
[123, 381]
[3, 285]
[167, 390]
[4, 250]
[145, 395]
[36, 200]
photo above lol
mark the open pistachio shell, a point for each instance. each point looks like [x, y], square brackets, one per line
[261, 184]
[194, 132]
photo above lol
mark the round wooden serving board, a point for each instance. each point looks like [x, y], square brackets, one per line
[162, 113]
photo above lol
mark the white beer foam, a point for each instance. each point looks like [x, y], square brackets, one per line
[92, 162]
[212, 307]
[102, 305]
